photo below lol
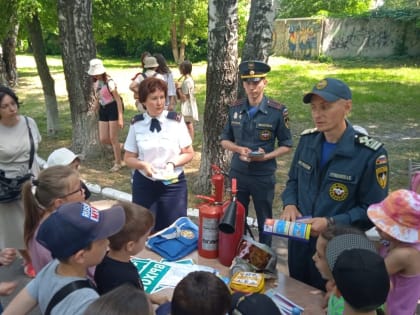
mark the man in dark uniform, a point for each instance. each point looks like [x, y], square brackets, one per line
[254, 124]
[336, 173]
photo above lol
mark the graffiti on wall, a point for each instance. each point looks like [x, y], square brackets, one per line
[303, 42]
[362, 39]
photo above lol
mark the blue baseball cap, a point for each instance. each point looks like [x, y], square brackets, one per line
[330, 90]
[75, 225]
[253, 70]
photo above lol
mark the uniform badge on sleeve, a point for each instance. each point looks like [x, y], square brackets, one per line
[381, 170]
[286, 118]
[339, 192]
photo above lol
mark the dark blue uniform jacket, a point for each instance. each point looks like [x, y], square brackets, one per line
[353, 178]
[260, 131]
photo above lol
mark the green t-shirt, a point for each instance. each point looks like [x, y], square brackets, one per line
[335, 305]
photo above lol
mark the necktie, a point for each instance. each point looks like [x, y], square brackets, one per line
[155, 124]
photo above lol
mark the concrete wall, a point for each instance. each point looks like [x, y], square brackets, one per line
[340, 38]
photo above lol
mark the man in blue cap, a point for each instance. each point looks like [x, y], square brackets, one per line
[254, 126]
[336, 173]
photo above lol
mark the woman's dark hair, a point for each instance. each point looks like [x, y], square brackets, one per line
[4, 90]
[185, 67]
[104, 78]
[151, 85]
[163, 67]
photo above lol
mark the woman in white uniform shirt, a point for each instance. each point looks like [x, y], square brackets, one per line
[158, 145]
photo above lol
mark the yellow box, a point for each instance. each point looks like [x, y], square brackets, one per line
[247, 282]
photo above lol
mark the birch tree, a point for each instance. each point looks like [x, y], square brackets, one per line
[77, 48]
[221, 80]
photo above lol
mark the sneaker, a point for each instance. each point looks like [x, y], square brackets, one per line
[115, 168]
[28, 269]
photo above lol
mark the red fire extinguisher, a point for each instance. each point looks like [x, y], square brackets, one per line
[231, 228]
[209, 216]
[217, 184]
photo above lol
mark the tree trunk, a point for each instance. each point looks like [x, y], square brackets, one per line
[35, 34]
[174, 40]
[9, 53]
[77, 48]
[259, 33]
[221, 85]
[3, 79]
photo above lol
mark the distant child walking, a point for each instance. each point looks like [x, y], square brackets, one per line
[185, 93]
[397, 219]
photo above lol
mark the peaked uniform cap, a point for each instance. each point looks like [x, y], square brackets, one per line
[253, 70]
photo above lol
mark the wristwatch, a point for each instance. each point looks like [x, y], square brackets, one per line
[330, 221]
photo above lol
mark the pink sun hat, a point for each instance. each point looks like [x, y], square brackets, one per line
[398, 215]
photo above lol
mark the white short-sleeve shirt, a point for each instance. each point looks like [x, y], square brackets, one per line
[158, 148]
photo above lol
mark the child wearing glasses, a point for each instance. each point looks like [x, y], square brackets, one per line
[55, 186]
[64, 156]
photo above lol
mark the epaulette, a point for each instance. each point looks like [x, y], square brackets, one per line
[274, 104]
[367, 141]
[137, 118]
[238, 102]
[174, 116]
[308, 131]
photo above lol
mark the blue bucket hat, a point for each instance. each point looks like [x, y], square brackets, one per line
[330, 90]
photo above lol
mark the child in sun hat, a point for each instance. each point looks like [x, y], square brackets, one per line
[397, 219]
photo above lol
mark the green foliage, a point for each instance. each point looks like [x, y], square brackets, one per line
[134, 21]
[337, 8]
[385, 102]
[8, 7]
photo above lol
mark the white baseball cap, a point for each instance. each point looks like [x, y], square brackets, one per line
[62, 156]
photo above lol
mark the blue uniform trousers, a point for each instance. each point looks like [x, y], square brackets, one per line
[167, 202]
[261, 189]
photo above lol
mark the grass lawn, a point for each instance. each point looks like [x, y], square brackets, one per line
[386, 94]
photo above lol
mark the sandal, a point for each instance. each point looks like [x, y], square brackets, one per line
[115, 168]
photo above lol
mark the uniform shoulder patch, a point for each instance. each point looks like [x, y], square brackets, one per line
[137, 118]
[367, 141]
[274, 104]
[238, 102]
[174, 116]
[309, 131]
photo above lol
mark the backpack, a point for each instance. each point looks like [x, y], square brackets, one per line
[66, 290]
[109, 90]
